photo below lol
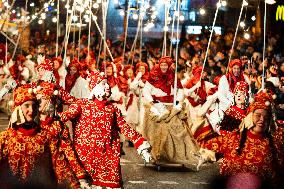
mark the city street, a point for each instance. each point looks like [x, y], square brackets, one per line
[136, 175]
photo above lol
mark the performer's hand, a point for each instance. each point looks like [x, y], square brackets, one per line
[84, 184]
[146, 156]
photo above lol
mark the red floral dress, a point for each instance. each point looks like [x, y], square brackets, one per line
[66, 149]
[97, 140]
[256, 156]
[31, 158]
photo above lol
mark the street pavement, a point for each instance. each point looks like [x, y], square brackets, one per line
[137, 176]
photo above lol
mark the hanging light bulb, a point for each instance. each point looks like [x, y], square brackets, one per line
[45, 5]
[242, 24]
[75, 18]
[270, 2]
[86, 17]
[202, 11]
[40, 22]
[95, 17]
[219, 4]
[153, 16]
[121, 13]
[224, 3]
[245, 3]
[32, 4]
[13, 11]
[52, 4]
[246, 35]
[166, 28]
[54, 19]
[135, 16]
[181, 18]
[253, 18]
[33, 17]
[96, 5]
[43, 16]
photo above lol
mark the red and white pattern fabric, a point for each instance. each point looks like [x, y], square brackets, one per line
[97, 141]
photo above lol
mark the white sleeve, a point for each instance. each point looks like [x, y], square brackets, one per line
[146, 93]
[180, 95]
[115, 94]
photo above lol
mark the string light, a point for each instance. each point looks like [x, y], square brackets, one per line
[224, 3]
[40, 22]
[242, 24]
[96, 5]
[270, 2]
[135, 16]
[246, 35]
[32, 4]
[121, 12]
[202, 11]
[54, 19]
[245, 3]
[181, 18]
[253, 18]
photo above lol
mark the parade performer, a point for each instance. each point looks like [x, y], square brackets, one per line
[236, 112]
[227, 84]
[45, 73]
[257, 147]
[47, 95]
[74, 83]
[134, 104]
[59, 71]
[165, 125]
[96, 138]
[26, 151]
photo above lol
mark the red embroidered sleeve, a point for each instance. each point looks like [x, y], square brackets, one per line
[127, 131]
[217, 144]
[3, 136]
[72, 112]
[66, 97]
[278, 140]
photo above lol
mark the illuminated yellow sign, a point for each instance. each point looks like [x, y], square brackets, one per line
[280, 13]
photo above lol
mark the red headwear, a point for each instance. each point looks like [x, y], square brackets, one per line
[127, 67]
[46, 65]
[110, 79]
[160, 80]
[71, 79]
[146, 74]
[235, 62]
[241, 86]
[166, 59]
[95, 78]
[232, 79]
[47, 89]
[23, 93]
[58, 59]
[262, 100]
[21, 58]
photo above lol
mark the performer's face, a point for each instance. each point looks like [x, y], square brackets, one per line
[129, 73]
[142, 69]
[73, 70]
[240, 97]
[102, 90]
[29, 109]
[109, 71]
[164, 67]
[56, 65]
[41, 72]
[260, 121]
[236, 70]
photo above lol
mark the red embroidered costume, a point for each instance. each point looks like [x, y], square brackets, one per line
[97, 140]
